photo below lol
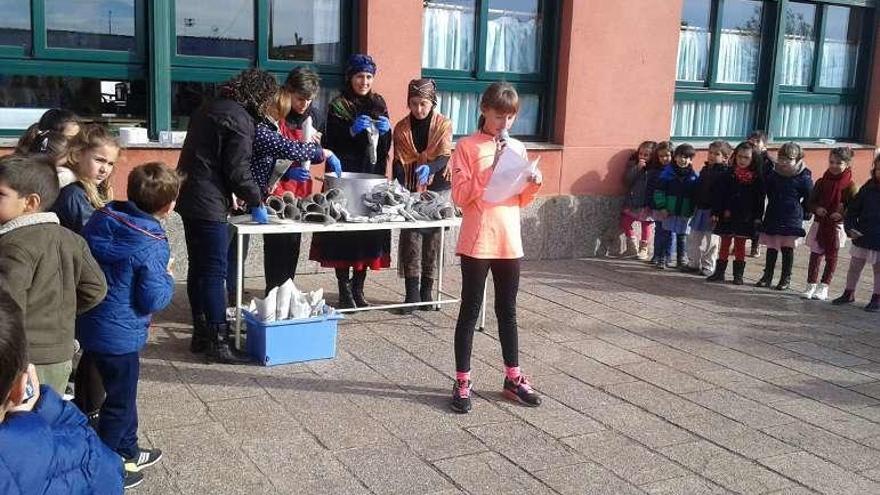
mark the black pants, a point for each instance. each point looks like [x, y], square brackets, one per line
[89, 388]
[118, 423]
[280, 258]
[505, 274]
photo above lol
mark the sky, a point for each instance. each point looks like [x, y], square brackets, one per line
[91, 16]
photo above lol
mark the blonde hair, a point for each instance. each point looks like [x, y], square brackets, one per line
[92, 136]
[280, 105]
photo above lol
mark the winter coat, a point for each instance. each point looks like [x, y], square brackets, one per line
[863, 214]
[270, 146]
[787, 199]
[132, 250]
[652, 180]
[73, 207]
[53, 451]
[739, 207]
[352, 151]
[675, 191]
[52, 277]
[704, 192]
[635, 181]
[215, 161]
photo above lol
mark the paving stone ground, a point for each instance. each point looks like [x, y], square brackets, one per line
[654, 382]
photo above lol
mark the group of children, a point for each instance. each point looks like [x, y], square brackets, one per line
[743, 193]
[78, 267]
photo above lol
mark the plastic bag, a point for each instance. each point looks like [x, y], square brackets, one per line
[286, 292]
[266, 308]
[512, 172]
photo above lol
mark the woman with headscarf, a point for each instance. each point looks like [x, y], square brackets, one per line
[359, 132]
[422, 146]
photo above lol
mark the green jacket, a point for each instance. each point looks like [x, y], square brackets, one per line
[53, 277]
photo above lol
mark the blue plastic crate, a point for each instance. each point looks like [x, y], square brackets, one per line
[291, 341]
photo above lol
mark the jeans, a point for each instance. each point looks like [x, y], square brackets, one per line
[207, 247]
[118, 422]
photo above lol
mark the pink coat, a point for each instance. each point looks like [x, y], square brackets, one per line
[488, 230]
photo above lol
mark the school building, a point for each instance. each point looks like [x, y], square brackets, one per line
[596, 77]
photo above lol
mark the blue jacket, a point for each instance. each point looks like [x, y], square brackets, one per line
[675, 191]
[652, 181]
[53, 451]
[73, 207]
[787, 199]
[132, 250]
[863, 214]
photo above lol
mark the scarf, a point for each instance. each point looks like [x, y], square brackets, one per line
[422, 88]
[405, 152]
[348, 105]
[830, 196]
[744, 176]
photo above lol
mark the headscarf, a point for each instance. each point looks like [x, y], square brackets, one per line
[422, 88]
[349, 105]
[360, 62]
[830, 194]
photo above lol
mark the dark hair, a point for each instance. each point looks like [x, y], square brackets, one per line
[757, 160]
[53, 121]
[501, 97]
[791, 150]
[253, 89]
[304, 82]
[723, 146]
[54, 144]
[30, 174]
[842, 153]
[759, 135]
[661, 146]
[650, 145]
[152, 186]
[13, 344]
[685, 150]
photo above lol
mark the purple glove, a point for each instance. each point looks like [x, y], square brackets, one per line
[383, 124]
[298, 174]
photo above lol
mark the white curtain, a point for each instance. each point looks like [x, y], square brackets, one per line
[513, 44]
[738, 56]
[464, 110]
[693, 54]
[326, 36]
[710, 118]
[816, 121]
[797, 60]
[838, 64]
[448, 37]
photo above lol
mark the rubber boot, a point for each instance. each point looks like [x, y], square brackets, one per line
[426, 294]
[739, 269]
[200, 342]
[787, 265]
[345, 298]
[357, 288]
[412, 295]
[632, 248]
[222, 350]
[720, 268]
[769, 268]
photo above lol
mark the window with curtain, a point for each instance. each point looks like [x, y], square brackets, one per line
[464, 61]
[694, 41]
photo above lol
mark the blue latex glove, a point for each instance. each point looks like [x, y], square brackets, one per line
[334, 163]
[422, 173]
[383, 124]
[259, 214]
[298, 174]
[361, 124]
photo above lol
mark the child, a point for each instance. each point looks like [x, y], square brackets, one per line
[93, 154]
[636, 205]
[788, 188]
[831, 195]
[674, 198]
[57, 120]
[662, 239]
[46, 445]
[55, 276]
[759, 139]
[489, 240]
[863, 227]
[702, 243]
[55, 145]
[737, 210]
[132, 249]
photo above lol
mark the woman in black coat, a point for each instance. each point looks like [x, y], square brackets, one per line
[359, 132]
[215, 161]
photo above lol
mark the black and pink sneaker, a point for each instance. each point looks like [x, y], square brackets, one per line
[461, 396]
[521, 391]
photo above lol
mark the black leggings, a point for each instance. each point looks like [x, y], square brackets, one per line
[505, 275]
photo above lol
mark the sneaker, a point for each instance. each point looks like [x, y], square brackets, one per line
[145, 459]
[811, 291]
[132, 479]
[521, 391]
[461, 396]
[821, 293]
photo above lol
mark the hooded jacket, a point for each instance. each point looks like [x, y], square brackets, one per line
[53, 451]
[132, 250]
[55, 278]
[863, 214]
[787, 197]
[675, 191]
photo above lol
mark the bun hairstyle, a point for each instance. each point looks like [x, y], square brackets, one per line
[91, 136]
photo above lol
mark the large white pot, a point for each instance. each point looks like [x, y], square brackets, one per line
[354, 186]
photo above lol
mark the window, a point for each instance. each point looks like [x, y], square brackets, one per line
[306, 32]
[15, 25]
[727, 83]
[102, 25]
[225, 29]
[468, 44]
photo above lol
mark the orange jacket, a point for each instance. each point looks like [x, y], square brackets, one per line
[488, 230]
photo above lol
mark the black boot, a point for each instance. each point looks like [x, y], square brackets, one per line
[720, 268]
[769, 268]
[222, 349]
[345, 299]
[847, 297]
[412, 295]
[426, 294]
[739, 269]
[787, 264]
[874, 305]
[200, 342]
[357, 288]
